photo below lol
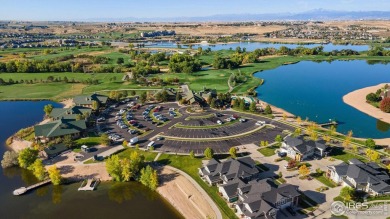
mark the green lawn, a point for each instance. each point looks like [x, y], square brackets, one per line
[324, 180]
[190, 166]
[149, 156]
[339, 154]
[268, 151]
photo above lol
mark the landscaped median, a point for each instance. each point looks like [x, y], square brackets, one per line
[215, 139]
[200, 117]
[180, 126]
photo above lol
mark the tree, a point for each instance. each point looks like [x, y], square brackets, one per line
[48, 108]
[149, 177]
[120, 61]
[299, 120]
[303, 170]
[347, 193]
[370, 143]
[332, 130]
[10, 159]
[54, 175]
[284, 116]
[192, 154]
[143, 97]
[297, 132]
[385, 105]
[38, 169]
[208, 153]
[355, 148]
[114, 168]
[348, 138]
[125, 166]
[326, 138]
[178, 96]
[278, 139]
[132, 92]
[95, 105]
[68, 141]
[371, 97]
[212, 103]
[104, 140]
[252, 107]
[125, 143]
[268, 110]
[27, 157]
[233, 152]
[372, 155]
[292, 163]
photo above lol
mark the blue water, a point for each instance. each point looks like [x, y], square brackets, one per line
[315, 90]
[110, 200]
[251, 46]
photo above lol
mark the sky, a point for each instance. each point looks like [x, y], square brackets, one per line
[78, 10]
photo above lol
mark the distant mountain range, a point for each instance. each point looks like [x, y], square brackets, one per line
[317, 14]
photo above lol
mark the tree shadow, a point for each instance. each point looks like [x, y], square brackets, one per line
[66, 169]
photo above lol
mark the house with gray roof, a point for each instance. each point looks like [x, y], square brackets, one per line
[300, 149]
[193, 99]
[216, 172]
[367, 177]
[87, 100]
[59, 128]
[70, 113]
[264, 200]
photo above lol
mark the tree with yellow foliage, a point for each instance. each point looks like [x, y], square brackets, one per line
[348, 138]
[303, 170]
[299, 120]
[372, 155]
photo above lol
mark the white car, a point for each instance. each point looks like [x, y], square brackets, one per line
[260, 123]
[171, 109]
[219, 122]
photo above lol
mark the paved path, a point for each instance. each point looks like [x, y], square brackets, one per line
[197, 186]
[158, 155]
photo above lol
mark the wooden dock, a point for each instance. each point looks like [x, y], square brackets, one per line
[89, 185]
[335, 123]
[23, 190]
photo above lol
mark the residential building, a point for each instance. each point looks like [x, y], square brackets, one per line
[59, 128]
[215, 172]
[300, 149]
[69, 113]
[262, 199]
[55, 150]
[367, 177]
[87, 100]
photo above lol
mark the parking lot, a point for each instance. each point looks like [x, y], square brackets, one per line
[148, 127]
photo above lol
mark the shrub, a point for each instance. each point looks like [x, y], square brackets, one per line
[385, 105]
[10, 158]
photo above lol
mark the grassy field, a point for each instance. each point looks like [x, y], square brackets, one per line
[217, 79]
[268, 151]
[149, 156]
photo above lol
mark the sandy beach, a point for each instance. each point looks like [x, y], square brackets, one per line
[183, 195]
[357, 99]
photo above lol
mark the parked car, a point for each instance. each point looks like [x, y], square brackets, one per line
[282, 154]
[160, 138]
[219, 122]
[260, 123]
[242, 120]
[218, 114]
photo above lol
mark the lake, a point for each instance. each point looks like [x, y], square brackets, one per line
[315, 90]
[110, 200]
[251, 46]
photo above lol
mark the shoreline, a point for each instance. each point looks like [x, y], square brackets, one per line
[357, 100]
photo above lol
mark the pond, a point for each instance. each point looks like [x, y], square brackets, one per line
[315, 90]
[251, 46]
[110, 200]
